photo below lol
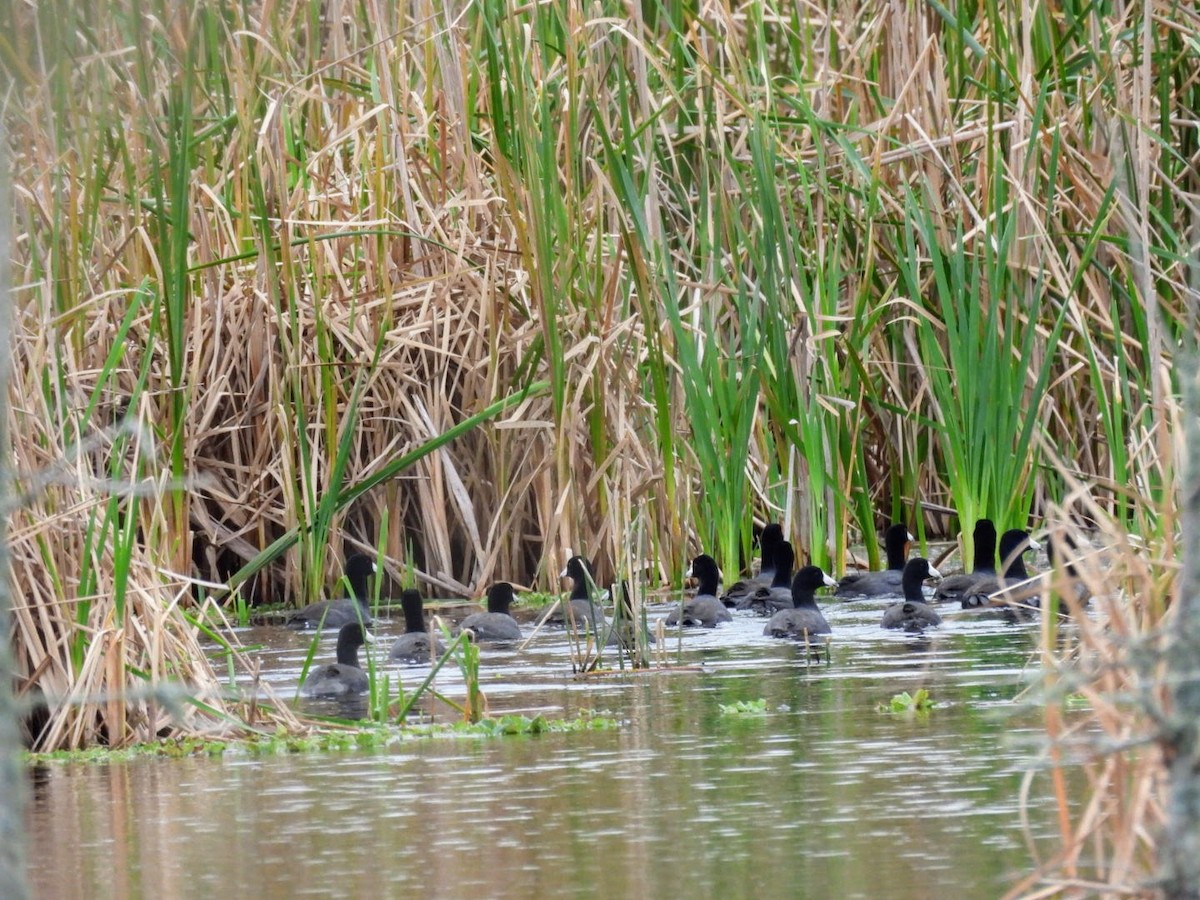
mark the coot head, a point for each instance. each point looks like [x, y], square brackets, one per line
[984, 539]
[1013, 544]
[359, 569]
[705, 570]
[807, 580]
[414, 610]
[916, 572]
[895, 541]
[500, 597]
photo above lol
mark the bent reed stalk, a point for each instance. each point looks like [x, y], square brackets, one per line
[295, 243]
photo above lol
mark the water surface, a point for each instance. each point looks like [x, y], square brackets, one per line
[824, 795]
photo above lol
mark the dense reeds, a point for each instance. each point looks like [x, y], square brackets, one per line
[659, 272]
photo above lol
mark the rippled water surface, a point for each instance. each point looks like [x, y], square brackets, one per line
[823, 796]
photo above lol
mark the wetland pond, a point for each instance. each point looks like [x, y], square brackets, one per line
[822, 795]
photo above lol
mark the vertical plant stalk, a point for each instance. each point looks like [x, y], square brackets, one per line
[12, 778]
[1181, 743]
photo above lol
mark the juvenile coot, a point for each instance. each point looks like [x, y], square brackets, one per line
[495, 625]
[771, 537]
[413, 646]
[582, 606]
[983, 537]
[769, 600]
[344, 677]
[703, 610]
[1013, 544]
[336, 613]
[804, 618]
[913, 614]
[880, 584]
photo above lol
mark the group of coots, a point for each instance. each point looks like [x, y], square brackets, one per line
[786, 597]
[789, 598]
[350, 616]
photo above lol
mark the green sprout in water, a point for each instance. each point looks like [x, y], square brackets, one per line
[905, 702]
[744, 708]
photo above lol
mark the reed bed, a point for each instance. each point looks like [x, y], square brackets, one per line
[487, 285]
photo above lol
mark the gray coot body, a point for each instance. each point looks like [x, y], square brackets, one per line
[913, 614]
[585, 609]
[952, 587]
[767, 601]
[771, 537]
[495, 625]
[336, 613]
[414, 645]
[881, 584]
[804, 618]
[703, 610]
[344, 678]
[1013, 544]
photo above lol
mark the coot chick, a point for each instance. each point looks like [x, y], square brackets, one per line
[804, 618]
[336, 613]
[771, 537]
[767, 601]
[703, 610]
[344, 677]
[495, 625]
[585, 609]
[414, 645]
[891, 579]
[983, 538]
[1013, 544]
[913, 614]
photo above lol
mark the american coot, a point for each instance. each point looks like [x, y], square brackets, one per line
[344, 677]
[413, 646]
[1013, 544]
[913, 614]
[983, 537]
[804, 619]
[624, 625]
[1061, 550]
[582, 606]
[769, 600]
[703, 610]
[336, 613]
[880, 584]
[770, 538]
[495, 625]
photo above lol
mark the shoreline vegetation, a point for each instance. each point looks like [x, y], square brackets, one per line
[474, 287]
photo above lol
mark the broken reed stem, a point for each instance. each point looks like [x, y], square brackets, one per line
[1181, 740]
[12, 774]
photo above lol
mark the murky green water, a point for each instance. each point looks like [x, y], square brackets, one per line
[824, 796]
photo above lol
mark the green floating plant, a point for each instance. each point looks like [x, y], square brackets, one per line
[904, 702]
[744, 708]
[356, 735]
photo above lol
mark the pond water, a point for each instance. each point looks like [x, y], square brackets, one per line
[824, 795]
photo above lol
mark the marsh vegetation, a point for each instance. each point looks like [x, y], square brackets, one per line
[473, 287]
